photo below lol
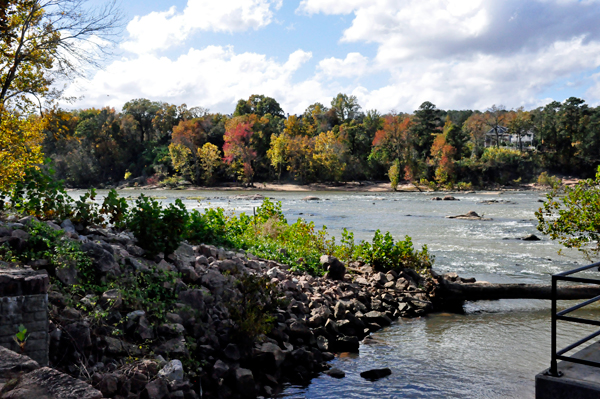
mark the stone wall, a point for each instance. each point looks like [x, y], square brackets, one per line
[24, 300]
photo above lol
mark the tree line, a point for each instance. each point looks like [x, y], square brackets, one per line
[335, 143]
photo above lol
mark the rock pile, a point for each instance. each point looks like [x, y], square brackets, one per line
[194, 351]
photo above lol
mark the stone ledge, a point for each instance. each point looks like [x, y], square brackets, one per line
[22, 281]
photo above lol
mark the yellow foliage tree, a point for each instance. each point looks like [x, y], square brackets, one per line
[181, 158]
[210, 160]
[20, 146]
[328, 156]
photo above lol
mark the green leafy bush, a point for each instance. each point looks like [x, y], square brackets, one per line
[158, 229]
[385, 254]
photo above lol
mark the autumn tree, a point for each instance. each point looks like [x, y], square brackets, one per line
[329, 152]
[278, 152]
[210, 161]
[20, 146]
[238, 150]
[476, 127]
[442, 153]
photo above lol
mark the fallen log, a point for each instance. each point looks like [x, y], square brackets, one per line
[488, 291]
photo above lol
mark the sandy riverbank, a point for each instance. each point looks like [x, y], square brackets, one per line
[364, 186]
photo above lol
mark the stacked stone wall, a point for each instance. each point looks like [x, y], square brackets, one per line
[24, 301]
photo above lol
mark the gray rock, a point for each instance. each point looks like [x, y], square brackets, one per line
[375, 374]
[531, 237]
[232, 352]
[109, 385]
[172, 371]
[220, 369]
[67, 275]
[194, 298]
[156, 389]
[339, 311]
[102, 260]
[48, 383]
[270, 356]
[244, 381]
[378, 318]
[111, 299]
[335, 373]
[13, 364]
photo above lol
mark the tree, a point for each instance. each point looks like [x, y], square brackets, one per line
[42, 40]
[238, 152]
[346, 107]
[574, 218]
[520, 124]
[476, 127]
[144, 112]
[495, 119]
[277, 153]
[20, 146]
[328, 156]
[426, 123]
[259, 105]
[182, 160]
[210, 160]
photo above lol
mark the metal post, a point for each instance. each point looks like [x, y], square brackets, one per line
[553, 364]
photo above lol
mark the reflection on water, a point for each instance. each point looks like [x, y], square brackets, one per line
[495, 350]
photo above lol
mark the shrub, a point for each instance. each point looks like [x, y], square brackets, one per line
[544, 179]
[158, 229]
[385, 254]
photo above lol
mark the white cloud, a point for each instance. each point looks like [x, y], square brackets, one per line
[214, 77]
[353, 65]
[483, 80]
[161, 30]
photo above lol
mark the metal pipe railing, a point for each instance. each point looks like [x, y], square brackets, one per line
[559, 355]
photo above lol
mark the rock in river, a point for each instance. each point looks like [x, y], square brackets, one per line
[375, 374]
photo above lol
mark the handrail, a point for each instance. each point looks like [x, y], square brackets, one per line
[559, 355]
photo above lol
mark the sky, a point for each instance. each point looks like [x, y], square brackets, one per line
[391, 54]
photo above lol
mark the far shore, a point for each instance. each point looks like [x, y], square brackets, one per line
[360, 186]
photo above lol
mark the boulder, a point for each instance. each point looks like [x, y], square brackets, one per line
[335, 373]
[111, 299]
[310, 198]
[378, 318]
[449, 198]
[375, 374]
[172, 371]
[194, 298]
[67, 275]
[335, 269]
[232, 352]
[244, 381]
[48, 383]
[269, 356]
[531, 237]
[102, 260]
[157, 389]
[13, 364]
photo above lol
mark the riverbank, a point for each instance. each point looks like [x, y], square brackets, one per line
[206, 321]
[363, 186]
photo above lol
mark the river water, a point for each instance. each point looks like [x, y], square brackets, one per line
[495, 349]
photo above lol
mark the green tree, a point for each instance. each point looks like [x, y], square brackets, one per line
[574, 218]
[426, 123]
[346, 107]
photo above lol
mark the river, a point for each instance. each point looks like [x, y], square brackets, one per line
[495, 349]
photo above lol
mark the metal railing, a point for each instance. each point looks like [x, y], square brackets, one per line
[562, 315]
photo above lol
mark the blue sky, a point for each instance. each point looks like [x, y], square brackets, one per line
[391, 54]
